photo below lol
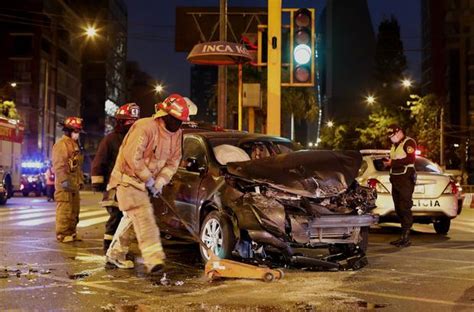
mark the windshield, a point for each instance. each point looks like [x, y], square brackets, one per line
[421, 165]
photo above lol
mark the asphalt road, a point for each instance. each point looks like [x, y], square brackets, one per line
[37, 273]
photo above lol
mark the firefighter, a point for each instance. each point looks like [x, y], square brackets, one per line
[50, 177]
[103, 164]
[148, 158]
[403, 179]
[67, 166]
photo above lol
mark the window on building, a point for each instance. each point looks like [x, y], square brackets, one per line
[63, 35]
[63, 56]
[61, 100]
[22, 70]
[22, 45]
[45, 45]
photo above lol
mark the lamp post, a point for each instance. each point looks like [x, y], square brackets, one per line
[370, 99]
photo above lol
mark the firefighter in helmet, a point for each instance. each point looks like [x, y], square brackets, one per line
[147, 160]
[67, 166]
[403, 179]
[104, 162]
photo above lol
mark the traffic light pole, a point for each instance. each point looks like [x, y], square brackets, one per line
[222, 70]
[274, 68]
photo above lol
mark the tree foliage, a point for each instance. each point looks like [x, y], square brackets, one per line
[425, 113]
[8, 110]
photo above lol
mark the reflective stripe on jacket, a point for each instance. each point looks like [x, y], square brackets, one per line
[398, 153]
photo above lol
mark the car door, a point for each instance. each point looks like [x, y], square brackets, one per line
[183, 190]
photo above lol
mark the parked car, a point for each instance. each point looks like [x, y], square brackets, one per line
[436, 198]
[255, 197]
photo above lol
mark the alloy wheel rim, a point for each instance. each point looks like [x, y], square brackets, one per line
[212, 237]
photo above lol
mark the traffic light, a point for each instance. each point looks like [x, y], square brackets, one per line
[302, 48]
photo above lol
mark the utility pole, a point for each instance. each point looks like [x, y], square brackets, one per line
[441, 138]
[274, 68]
[222, 71]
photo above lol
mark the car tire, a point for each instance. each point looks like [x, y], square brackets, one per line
[25, 194]
[216, 231]
[442, 225]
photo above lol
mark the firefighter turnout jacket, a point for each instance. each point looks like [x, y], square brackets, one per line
[67, 165]
[104, 159]
[149, 150]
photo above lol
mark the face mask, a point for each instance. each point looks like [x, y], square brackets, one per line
[397, 137]
[75, 136]
[172, 124]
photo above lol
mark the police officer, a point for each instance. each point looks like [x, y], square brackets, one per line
[67, 166]
[403, 179]
[104, 162]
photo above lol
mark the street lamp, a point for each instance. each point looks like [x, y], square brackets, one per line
[330, 124]
[13, 84]
[159, 88]
[370, 99]
[407, 83]
[91, 31]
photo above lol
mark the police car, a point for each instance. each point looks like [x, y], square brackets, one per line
[436, 198]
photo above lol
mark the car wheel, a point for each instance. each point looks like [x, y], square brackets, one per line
[3, 199]
[442, 225]
[26, 194]
[217, 234]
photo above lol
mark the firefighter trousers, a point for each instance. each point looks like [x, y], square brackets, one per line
[138, 217]
[402, 191]
[67, 212]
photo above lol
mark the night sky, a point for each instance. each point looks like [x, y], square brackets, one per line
[151, 34]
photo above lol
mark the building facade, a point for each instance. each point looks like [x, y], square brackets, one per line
[104, 69]
[345, 61]
[448, 71]
[41, 53]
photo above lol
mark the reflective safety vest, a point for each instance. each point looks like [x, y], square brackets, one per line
[399, 153]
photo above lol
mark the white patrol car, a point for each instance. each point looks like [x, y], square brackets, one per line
[436, 198]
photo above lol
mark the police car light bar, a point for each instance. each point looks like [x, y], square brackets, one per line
[32, 164]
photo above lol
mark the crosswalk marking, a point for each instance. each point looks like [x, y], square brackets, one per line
[40, 221]
[93, 221]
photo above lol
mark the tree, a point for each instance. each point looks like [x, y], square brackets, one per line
[8, 110]
[426, 112]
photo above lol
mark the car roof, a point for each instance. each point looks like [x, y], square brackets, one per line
[242, 136]
[374, 152]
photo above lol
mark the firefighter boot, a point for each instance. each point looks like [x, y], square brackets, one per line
[405, 242]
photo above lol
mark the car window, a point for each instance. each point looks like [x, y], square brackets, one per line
[285, 147]
[193, 148]
[256, 150]
[425, 165]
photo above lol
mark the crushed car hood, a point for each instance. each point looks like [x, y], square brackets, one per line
[315, 174]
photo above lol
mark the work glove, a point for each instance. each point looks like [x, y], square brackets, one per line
[66, 186]
[152, 190]
[98, 187]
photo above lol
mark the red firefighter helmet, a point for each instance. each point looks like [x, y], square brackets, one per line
[73, 123]
[177, 106]
[128, 111]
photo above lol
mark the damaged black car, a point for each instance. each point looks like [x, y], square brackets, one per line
[260, 199]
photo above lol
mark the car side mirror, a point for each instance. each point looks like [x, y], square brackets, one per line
[192, 165]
